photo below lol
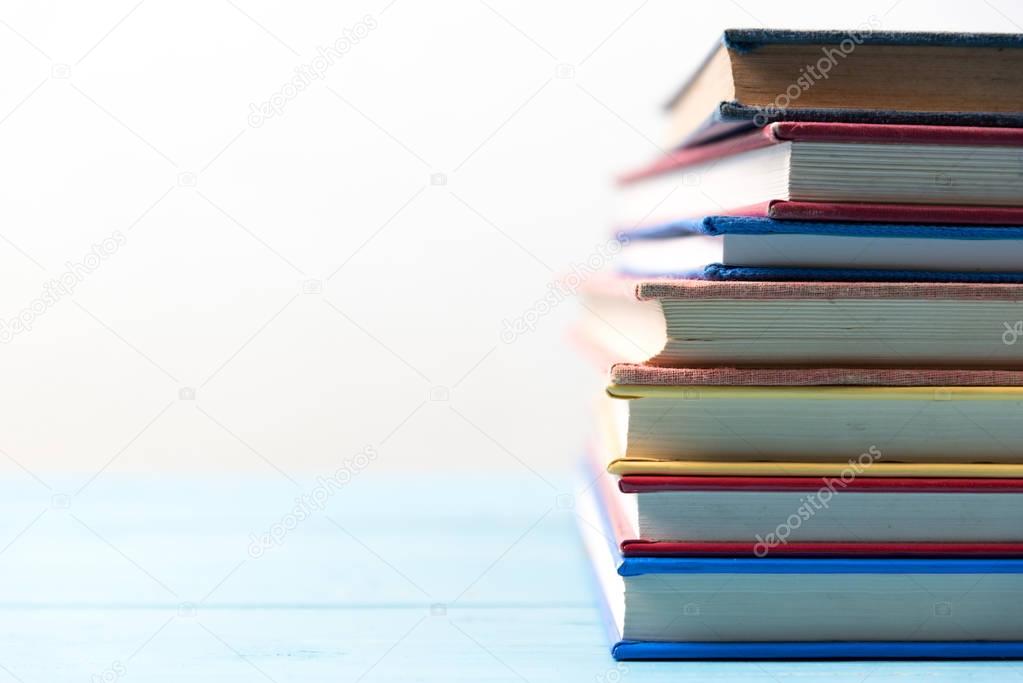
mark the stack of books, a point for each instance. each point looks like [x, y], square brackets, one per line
[812, 439]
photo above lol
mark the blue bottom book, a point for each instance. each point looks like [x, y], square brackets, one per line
[796, 608]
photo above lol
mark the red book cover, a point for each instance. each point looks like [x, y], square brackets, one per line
[918, 214]
[640, 548]
[636, 483]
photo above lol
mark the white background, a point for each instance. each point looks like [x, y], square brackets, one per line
[109, 111]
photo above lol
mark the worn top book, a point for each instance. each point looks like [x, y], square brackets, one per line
[757, 76]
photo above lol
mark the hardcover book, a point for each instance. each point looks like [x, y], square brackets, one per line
[743, 247]
[757, 76]
[842, 515]
[828, 162]
[815, 415]
[698, 323]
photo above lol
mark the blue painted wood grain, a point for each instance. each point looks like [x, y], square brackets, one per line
[428, 578]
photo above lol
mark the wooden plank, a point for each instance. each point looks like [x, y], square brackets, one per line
[442, 579]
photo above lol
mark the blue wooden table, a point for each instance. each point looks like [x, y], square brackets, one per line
[414, 578]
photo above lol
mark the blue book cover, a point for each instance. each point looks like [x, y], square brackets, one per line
[768, 249]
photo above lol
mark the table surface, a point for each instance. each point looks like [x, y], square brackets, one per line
[426, 578]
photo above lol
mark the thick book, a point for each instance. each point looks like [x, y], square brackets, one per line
[786, 250]
[802, 608]
[757, 76]
[828, 162]
[699, 323]
[810, 415]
